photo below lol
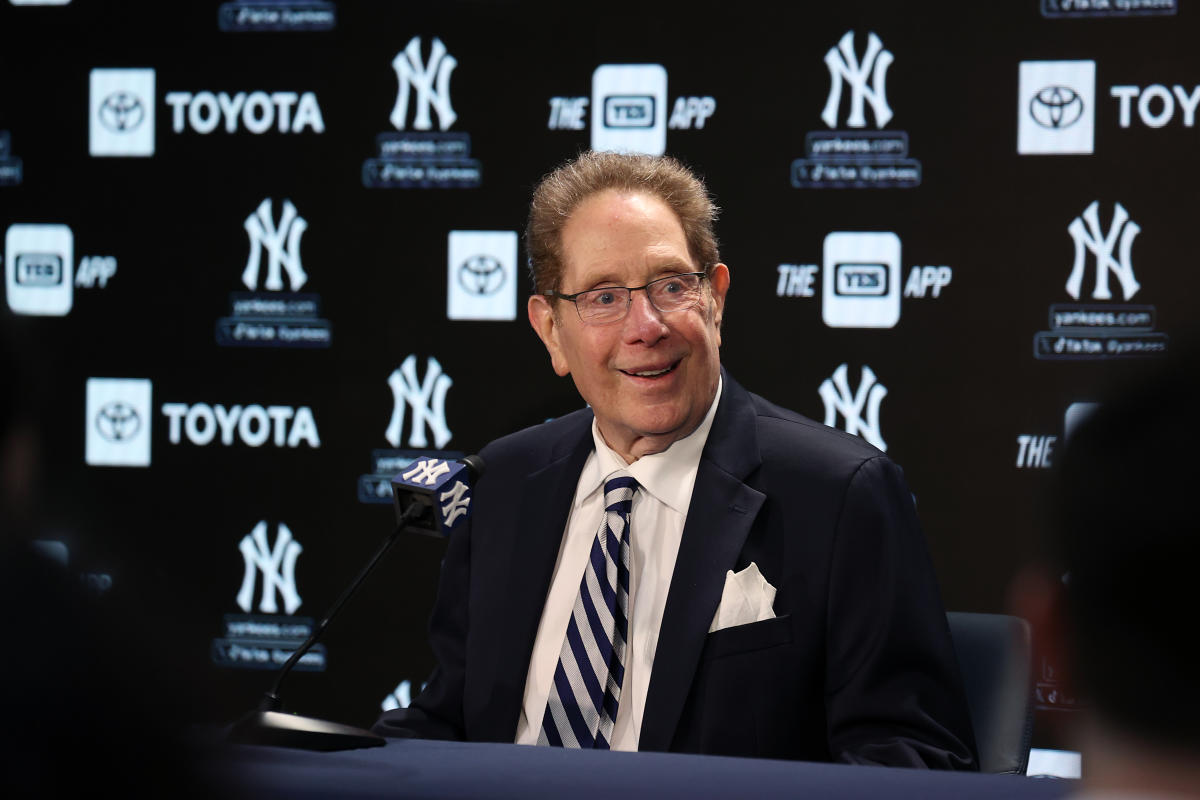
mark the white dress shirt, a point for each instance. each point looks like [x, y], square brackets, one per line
[660, 507]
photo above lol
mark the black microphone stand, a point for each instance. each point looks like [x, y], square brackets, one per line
[270, 725]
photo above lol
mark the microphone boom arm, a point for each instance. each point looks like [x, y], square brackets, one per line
[271, 701]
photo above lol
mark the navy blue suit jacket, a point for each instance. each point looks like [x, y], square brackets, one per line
[857, 666]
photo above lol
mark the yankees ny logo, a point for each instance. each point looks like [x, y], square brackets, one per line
[843, 65]
[427, 471]
[454, 504]
[837, 398]
[264, 235]
[277, 565]
[410, 72]
[1102, 247]
[427, 399]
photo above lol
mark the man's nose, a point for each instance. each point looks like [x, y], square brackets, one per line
[644, 322]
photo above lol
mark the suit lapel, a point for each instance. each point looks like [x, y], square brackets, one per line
[544, 503]
[722, 510]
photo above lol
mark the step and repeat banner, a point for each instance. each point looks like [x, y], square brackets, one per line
[259, 256]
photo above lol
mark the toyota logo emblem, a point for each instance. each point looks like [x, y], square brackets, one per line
[1056, 107]
[118, 421]
[481, 275]
[121, 112]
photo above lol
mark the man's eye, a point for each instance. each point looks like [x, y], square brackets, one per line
[672, 287]
[604, 298]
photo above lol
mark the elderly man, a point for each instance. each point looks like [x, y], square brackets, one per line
[681, 566]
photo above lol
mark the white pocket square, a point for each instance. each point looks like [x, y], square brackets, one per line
[747, 598]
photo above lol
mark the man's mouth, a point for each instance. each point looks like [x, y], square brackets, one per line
[651, 373]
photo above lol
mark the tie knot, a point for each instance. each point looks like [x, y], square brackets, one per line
[619, 486]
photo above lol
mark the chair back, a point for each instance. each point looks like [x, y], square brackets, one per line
[995, 657]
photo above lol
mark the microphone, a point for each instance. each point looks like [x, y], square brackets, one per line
[431, 497]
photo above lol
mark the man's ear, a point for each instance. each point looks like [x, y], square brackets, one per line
[718, 282]
[546, 325]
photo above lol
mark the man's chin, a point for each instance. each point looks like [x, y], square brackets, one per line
[670, 427]
[646, 437]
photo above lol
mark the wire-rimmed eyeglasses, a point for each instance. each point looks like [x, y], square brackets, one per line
[611, 303]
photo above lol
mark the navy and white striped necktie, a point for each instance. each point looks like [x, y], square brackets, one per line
[582, 706]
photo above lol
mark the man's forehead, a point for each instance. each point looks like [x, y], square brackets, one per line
[643, 265]
[623, 231]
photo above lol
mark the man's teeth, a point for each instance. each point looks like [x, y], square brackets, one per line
[653, 373]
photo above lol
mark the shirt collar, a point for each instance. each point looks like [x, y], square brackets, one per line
[659, 474]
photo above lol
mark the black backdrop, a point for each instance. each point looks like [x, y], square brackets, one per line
[962, 380]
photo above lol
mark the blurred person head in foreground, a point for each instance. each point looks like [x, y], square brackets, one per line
[1115, 606]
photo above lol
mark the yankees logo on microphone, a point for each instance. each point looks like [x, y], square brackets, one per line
[442, 486]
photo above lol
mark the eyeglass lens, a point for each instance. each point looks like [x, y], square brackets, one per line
[673, 293]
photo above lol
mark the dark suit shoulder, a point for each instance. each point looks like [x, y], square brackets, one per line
[538, 444]
[790, 439]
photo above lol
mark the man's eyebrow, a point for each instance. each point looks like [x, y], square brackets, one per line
[605, 281]
[670, 266]
[674, 266]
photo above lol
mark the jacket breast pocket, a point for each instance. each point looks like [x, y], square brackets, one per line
[748, 638]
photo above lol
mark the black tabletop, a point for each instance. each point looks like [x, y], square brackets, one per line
[419, 768]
